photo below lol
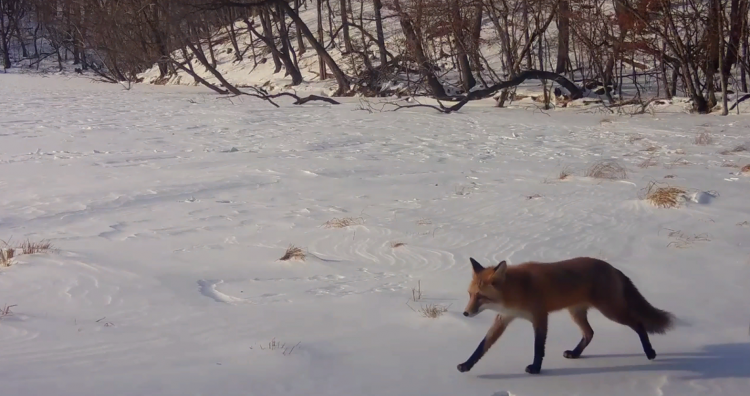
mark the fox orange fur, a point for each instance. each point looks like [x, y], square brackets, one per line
[532, 290]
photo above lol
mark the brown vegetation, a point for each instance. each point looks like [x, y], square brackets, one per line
[704, 139]
[662, 196]
[293, 253]
[343, 222]
[607, 169]
[8, 251]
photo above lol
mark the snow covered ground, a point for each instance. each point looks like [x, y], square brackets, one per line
[170, 209]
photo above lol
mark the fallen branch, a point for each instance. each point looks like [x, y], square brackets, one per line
[310, 98]
[370, 108]
[739, 100]
[441, 109]
[532, 74]
[299, 100]
[263, 94]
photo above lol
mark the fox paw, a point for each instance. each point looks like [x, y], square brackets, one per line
[571, 355]
[464, 367]
[531, 369]
[651, 355]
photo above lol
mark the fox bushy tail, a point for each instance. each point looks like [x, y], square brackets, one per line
[654, 320]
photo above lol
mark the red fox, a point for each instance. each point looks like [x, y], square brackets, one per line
[532, 290]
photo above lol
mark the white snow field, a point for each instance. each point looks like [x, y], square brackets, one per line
[170, 209]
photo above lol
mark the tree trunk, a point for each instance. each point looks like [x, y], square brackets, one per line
[345, 25]
[526, 35]
[198, 52]
[467, 78]
[738, 10]
[288, 63]
[563, 38]
[161, 47]
[19, 36]
[265, 20]
[476, 35]
[283, 35]
[77, 40]
[341, 78]
[233, 39]
[415, 45]
[4, 41]
[724, 73]
[378, 5]
[300, 42]
[745, 51]
[712, 60]
[321, 62]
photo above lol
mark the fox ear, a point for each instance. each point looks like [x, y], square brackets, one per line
[475, 265]
[500, 271]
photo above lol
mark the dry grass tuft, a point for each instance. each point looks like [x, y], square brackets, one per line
[428, 311]
[565, 173]
[293, 253]
[6, 256]
[663, 197]
[746, 169]
[678, 162]
[424, 222]
[432, 311]
[729, 165]
[607, 169]
[650, 161]
[29, 247]
[6, 311]
[343, 222]
[8, 252]
[737, 149]
[397, 244]
[416, 292]
[652, 149]
[704, 139]
[682, 240]
[461, 190]
[274, 345]
[634, 138]
[669, 176]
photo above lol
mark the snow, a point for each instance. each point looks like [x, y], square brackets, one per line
[170, 209]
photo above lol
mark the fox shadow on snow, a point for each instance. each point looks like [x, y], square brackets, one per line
[712, 362]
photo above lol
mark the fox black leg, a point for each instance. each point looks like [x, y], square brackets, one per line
[493, 334]
[576, 352]
[579, 316]
[540, 338]
[647, 348]
[474, 358]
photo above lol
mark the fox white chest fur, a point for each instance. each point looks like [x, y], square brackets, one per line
[507, 312]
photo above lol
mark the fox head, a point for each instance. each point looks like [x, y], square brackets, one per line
[483, 290]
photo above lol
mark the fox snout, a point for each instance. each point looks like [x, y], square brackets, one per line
[472, 308]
